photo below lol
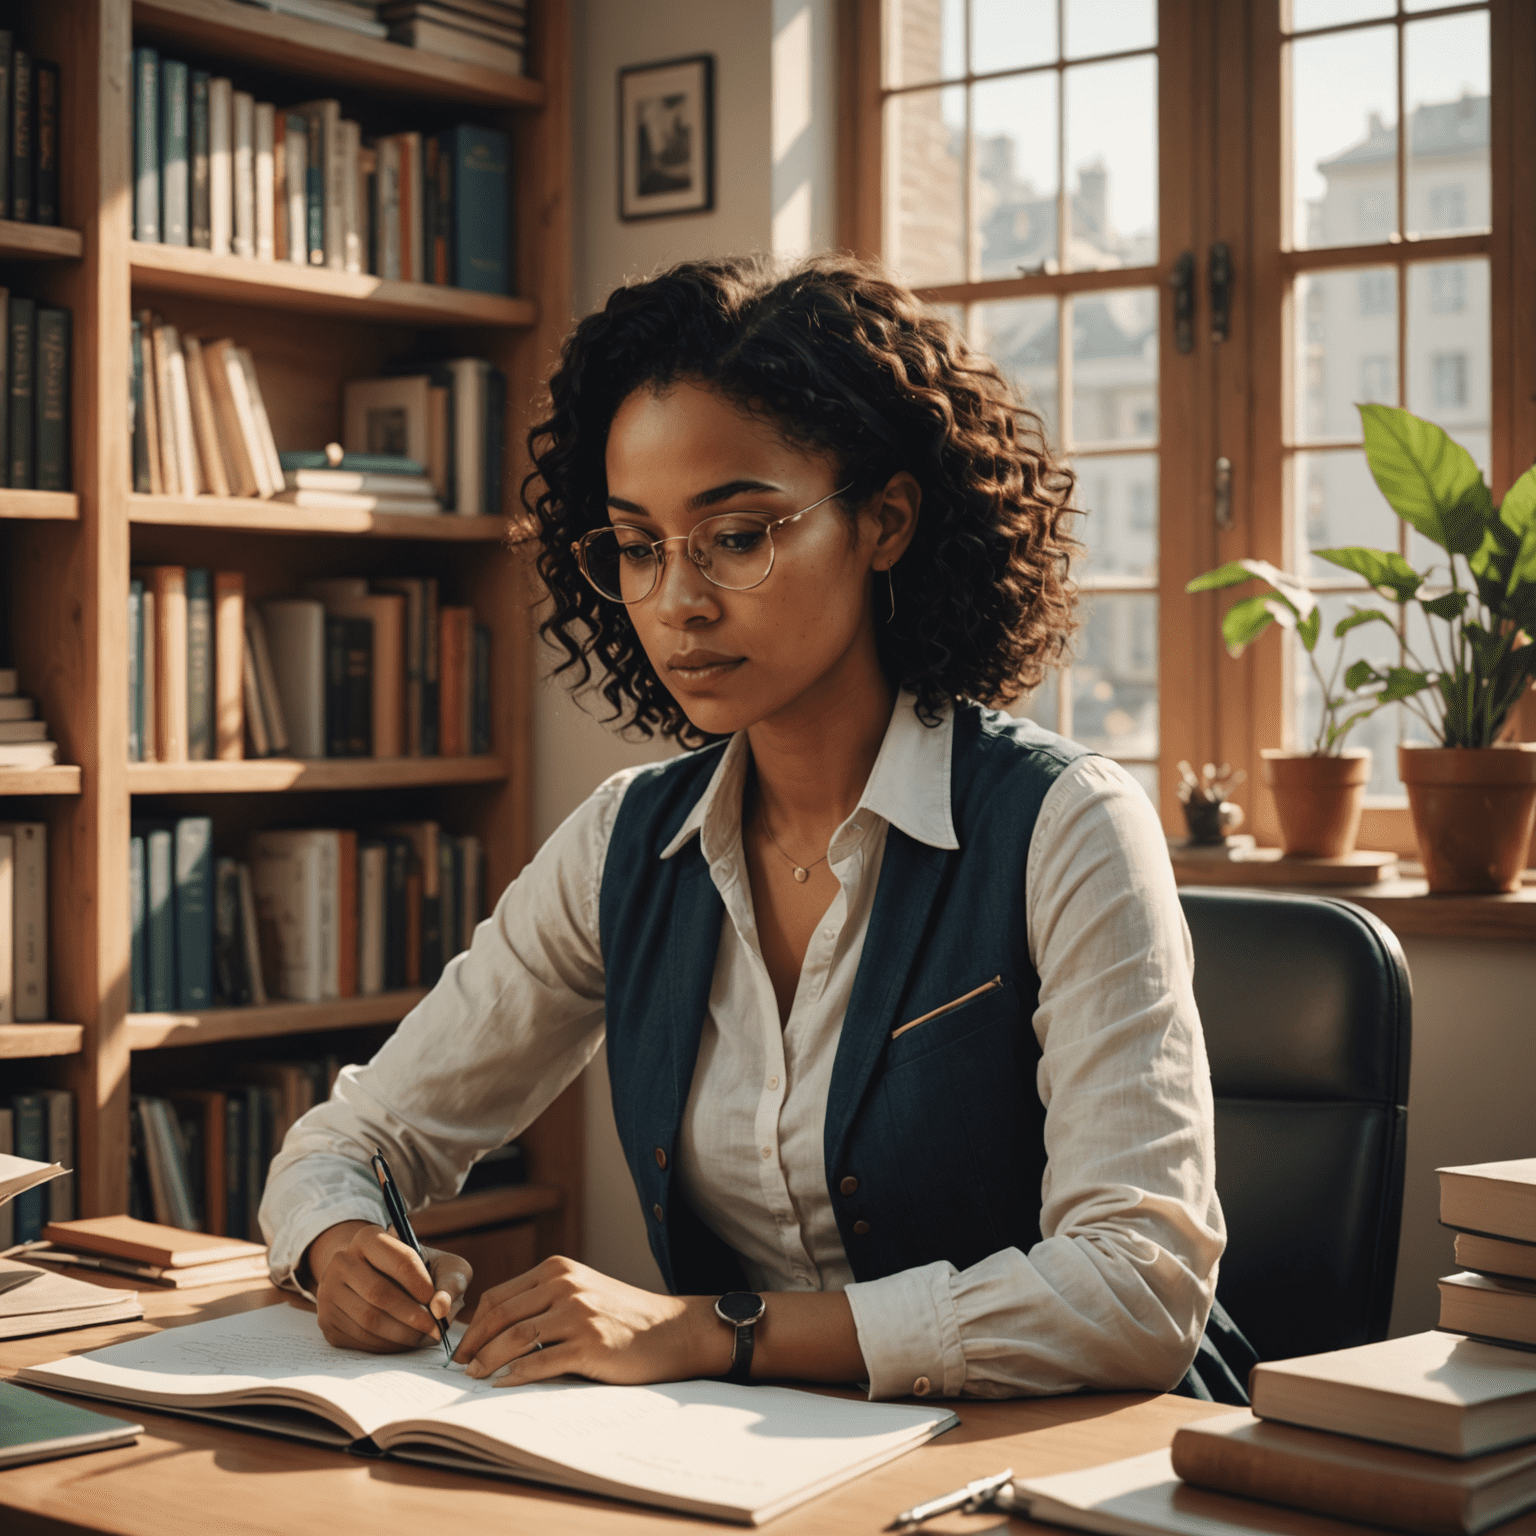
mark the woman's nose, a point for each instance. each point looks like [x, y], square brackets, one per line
[683, 595]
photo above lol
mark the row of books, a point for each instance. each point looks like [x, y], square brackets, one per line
[216, 170]
[350, 667]
[29, 135]
[311, 914]
[24, 741]
[34, 384]
[39, 1124]
[491, 33]
[23, 921]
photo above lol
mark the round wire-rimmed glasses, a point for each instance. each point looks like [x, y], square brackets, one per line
[734, 550]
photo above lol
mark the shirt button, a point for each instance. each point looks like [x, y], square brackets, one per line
[661, 1158]
[850, 1185]
[829, 933]
[861, 1227]
[656, 1212]
[767, 1153]
[855, 828]
[773, 1082]
[921, 1387]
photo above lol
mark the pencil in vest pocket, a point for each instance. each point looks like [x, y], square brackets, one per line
[959, 1002]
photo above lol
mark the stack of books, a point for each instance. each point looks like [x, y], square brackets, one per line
[357, 482]
[29, 135]
[23, 922]
[359, 16]
[1492, 1208]
[491, 33]
[34, 384]
[24, 739]
[161, 1254]
[39, 1125]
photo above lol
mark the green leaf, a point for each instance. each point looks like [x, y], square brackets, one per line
[1468, 521]
[1355, 618]
[1307, 628]
[1424, 475]
[1361, 673]
[1384, 569]
[1517, 511]
[1228, 575]
[1402, 684]
[1247, 620]
[1339, 732]
[1448, 605]
[1522, 569]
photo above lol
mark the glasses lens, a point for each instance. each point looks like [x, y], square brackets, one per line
[621, 564]
[734, 550]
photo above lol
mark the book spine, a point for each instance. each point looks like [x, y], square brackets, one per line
[221, 170]
[229, 665]
[137, 894]
[450, 882]
[442, 234]
[199, 666]
[429, 686]
[149, 415]
[495, 441]
[160, 920]
[296, 148]
[23, 357]
[254, 960]
[22, 86]
[372, 918]
[314, 187]
[46, 187]
[227, 989]
[396, 872]
[52, 471]
[337, 695]
[201, 229]
[326, 866]
[480, 737]
[146, 145]
[346, 916]
[265, 187]
[30, 1133]
[194, 912]
[59, 1104]
[135, 671]
[7, 953]
[335, 189]
[234, 1166]
[360, 723]
[481, 236]
[29, 919]
[174, 181]
[8, 1148]
[171, 659]
[429, 208]
[351, 207]
[279, 185]
[7, 74]
[242, 138]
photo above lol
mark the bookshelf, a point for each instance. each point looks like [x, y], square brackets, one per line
[65, 558]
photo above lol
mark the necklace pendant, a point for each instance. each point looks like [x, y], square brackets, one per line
[802, 875]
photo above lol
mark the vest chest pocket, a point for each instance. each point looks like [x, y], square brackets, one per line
[961, 1016]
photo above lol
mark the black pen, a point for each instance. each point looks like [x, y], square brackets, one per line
[971, 1499]
[402, 1225]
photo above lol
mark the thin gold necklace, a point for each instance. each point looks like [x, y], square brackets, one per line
[802, 871]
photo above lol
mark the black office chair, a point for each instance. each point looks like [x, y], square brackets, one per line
[1307, 1009]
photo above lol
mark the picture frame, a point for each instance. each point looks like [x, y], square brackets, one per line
[667, 138]
[389, 415]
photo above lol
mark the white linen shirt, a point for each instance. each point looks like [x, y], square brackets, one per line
[1115, 1294]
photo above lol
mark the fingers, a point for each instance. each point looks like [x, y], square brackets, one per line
[502, 1307]
[340, 1332]
[387, 1254]
[377, 1308]
[451, 1275]
[512, 1344]
[543, 1365]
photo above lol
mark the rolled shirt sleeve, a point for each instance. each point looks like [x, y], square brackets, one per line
[509, 1025]
[1116, 1293]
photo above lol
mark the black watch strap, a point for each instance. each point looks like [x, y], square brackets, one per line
[742, 1311]
[741, 1354]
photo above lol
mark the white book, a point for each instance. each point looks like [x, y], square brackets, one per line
[359, 483]
[265, 121]
[8, 681]
[221, 170]
[295, 634]
[23, 730]
[238, 379]
[469, 375]
[386, 192]
[59, 1117]
[251, 937]
[243, 140]
[286, 881]
[711, 1448]
[351, 206]
[346, 501]
[29, 919]
[272, 463]
[188, 470]
[7, 901]
[296, 147]
[372, 861]
[29, 754]
[17, 708]
[328, 873]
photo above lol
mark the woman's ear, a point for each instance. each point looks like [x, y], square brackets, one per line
[895, 512]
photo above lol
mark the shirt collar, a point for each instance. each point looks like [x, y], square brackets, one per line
[908, 786]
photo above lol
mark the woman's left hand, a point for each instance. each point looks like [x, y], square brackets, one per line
[587, 1324]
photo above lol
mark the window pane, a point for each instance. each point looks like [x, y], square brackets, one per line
[1015, 128]
[1114, 366]
[927, 41]
[1011, 34]
[1111, 160]
[1335, 504]
[1119, 493]
[925, 134]
[1380, 645]
[1345, 334]
[1343, 124]
[1019, 335]
[1114, 675]
[1445, 64]
[1041, 705]
[1306, 14]
[1109, 26]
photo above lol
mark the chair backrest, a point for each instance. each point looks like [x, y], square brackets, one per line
[1307, 1009]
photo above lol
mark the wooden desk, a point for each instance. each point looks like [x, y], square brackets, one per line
[185, 1477]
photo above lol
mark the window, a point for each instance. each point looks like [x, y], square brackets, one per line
[1376, 294]
[1447, 290]
[1450, 378]
[1448, 207]
[1378, 378]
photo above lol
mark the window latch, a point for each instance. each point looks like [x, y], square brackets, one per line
[1220, 278]
[1182, 280]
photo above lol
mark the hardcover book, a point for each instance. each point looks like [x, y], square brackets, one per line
[45, 187]
[53, 392]
[175, 180]
[201, 229]
[23, 82]
[146, 144]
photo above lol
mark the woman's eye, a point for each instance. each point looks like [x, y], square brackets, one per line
[738, 541]
[636, 554]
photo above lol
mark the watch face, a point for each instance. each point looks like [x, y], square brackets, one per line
[740, 1307]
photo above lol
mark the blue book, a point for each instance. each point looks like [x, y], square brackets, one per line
[23, 403]
[146, 144]
[175, 178]
[199, 665]
[29, 1134]
[51, 472]
[139, 995]
[136, 671]
[160, 919]
[479, 224]
[194, 912]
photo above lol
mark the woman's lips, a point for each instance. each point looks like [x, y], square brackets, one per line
[701, 666]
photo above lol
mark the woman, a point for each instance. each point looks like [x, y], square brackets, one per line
[896, 990]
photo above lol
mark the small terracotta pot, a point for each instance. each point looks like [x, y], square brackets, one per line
[1318, 800]
[1472, 811]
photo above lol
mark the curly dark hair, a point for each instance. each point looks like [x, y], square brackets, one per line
[844, 360]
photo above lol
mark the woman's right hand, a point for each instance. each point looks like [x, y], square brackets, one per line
[374, 1293]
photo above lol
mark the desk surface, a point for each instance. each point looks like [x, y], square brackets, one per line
[186, 1476]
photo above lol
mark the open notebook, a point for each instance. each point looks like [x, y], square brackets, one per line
[703, 1447]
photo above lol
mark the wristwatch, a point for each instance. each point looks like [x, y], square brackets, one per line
[743, 1311]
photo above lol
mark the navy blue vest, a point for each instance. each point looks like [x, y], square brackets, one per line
[934, 1141]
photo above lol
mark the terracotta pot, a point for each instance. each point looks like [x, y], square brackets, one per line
[1472, 811]
[1318, 800]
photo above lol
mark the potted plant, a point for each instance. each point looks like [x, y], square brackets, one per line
[1318, 794]
[1472, 795]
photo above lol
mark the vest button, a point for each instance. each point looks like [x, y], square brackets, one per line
[656, 1212]
[861, 1227]
[922, 1387]
[850, 1185]
[661, 1158]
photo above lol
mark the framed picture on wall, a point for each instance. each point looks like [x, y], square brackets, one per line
[667, 138]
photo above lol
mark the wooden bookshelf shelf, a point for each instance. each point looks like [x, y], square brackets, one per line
[252, 516]
[330, 53]
[486, 1208]
[318, 290]
[265, 774]
[63, 779]
[154, 1031]
[40, 506]
[40, 1040]
[40, 242]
